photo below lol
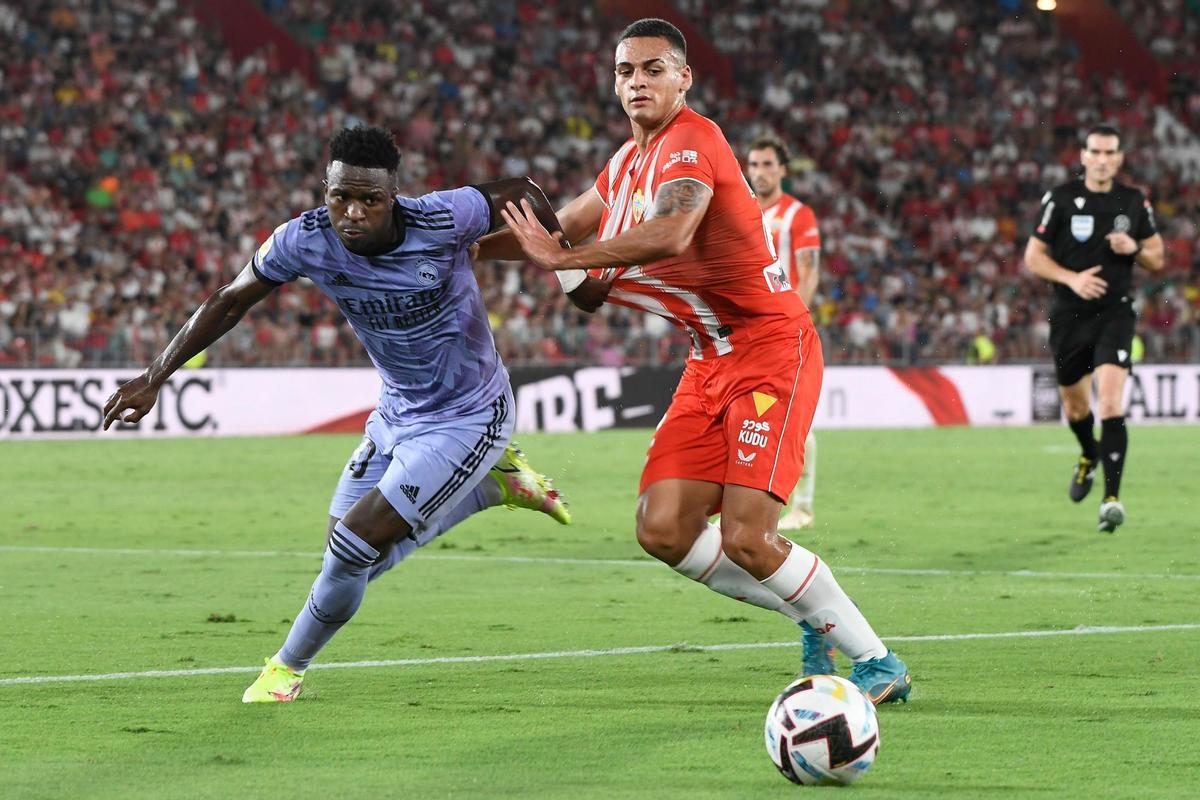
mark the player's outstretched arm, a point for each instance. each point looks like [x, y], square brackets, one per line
[216, 316]
[1153, 255]
[575, 221]
[578, 220]
[513, 190]
[679, 207]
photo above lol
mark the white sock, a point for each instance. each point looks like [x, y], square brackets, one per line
[805, 583]
[806, 488]
[707, 563]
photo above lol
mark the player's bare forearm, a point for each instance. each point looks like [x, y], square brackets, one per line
[807, 274]
[677, 213]
[1153, 254]
[678, 210]
[650, 241]
[578, 220]
[502, 244]
[215, 317]
[212, 320]
[1042, 265]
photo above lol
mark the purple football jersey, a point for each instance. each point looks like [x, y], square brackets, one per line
[416, 309]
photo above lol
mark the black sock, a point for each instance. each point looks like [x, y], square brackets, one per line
[1114, 439]
[1085, 431]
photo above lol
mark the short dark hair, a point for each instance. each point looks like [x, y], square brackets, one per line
[1103, 130]
[653, 27]
[362, 146]
[770, 142]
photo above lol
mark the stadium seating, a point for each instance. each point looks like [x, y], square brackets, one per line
[142, 164]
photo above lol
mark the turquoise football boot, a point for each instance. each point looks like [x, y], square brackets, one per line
[883, 680]
[818, 655]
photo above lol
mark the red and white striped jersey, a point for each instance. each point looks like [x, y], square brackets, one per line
[726, 288]
[793, 227]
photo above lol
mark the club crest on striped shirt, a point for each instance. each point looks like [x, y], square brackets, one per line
[639, 205]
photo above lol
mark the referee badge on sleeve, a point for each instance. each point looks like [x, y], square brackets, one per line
[1082, 226]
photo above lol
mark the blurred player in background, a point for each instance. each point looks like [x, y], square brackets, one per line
[399, 270]
[1090, 234]
[793, 227]
[679, 234]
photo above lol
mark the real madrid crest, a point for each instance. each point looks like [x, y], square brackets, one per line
[639, 205]
[426, 272]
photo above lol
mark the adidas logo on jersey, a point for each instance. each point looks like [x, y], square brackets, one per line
[340, 279]
[410, 491]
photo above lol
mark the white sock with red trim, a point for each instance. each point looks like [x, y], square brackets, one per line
[807, 585]
[707, 563]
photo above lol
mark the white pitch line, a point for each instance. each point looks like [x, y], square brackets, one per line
[1083, 630]
[601, 562]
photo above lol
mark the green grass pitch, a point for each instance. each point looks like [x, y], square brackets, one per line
[1078, 716]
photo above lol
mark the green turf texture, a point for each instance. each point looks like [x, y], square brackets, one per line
[1064, 717]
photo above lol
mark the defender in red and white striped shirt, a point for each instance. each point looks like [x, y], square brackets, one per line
[680, 234]
[793, 228]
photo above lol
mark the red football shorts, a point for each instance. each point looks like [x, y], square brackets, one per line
[741, 419]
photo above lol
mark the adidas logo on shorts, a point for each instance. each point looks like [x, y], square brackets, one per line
[410, 491]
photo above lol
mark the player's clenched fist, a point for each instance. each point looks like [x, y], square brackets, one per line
[1122, 243]
[591, 294]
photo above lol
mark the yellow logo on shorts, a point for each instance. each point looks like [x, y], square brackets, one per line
[762, 402]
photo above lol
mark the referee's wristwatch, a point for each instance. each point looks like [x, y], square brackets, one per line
[1139, 248]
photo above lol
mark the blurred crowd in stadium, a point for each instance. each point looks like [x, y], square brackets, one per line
[141, 164]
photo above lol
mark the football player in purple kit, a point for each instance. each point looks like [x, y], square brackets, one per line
[400, 270]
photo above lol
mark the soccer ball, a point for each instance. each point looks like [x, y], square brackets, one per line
[822, 730]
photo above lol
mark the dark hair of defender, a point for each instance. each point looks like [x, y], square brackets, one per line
[362, 146]
[770, 142]
[652, 27]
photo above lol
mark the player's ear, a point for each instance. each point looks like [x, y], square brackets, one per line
[687, 78]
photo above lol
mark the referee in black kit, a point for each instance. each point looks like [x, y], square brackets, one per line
[1089, 235]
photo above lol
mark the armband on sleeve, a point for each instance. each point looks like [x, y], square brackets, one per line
[571, 279]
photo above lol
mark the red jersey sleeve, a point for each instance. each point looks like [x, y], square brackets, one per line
[688, 151]
[805, 232]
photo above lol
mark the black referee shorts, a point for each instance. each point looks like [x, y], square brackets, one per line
[1082, 340]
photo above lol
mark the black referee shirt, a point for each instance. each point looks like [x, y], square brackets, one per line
[1074, 221]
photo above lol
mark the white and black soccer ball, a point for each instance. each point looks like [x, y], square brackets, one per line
[822, 730]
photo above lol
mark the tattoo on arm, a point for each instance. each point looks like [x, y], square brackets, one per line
[679, 197]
